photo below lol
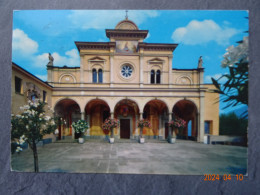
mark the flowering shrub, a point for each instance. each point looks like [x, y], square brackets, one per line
[109, 124]
[80, 126]
[31, 125]
[144, 123]
[177, 123]
[236, 54]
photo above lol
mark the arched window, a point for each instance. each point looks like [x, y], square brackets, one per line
[158, 76]
[94, 75]
[152, 76]
[100, 76]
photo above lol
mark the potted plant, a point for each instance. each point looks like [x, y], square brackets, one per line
[80, 127]
[109, 125]
[176, 124]
[141, 124]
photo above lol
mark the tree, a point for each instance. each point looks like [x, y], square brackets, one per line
[31, 125]
[231, 124]
[234, 89]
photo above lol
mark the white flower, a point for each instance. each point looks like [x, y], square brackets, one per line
[56, 131]
[47, 118]
[27, 127]
[18, 149]
[235, 54]
[18, 116]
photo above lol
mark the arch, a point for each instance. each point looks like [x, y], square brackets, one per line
[159, 99]
[94, 75]
[186, 77]
[158, 77]
[97, 66]
[101, 99]
[97, 111]
[156, 112]
[188, 111]
[66, 98]
[152, 76]
[124, 98]
[68, 74]
[127, 112]
[67, 111]
[100, 76]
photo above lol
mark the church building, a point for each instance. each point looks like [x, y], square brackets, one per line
[128, 79]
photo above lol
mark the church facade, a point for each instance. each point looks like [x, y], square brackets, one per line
[129, 79]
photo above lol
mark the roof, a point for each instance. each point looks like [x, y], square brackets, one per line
[126, 24]
[17, 67]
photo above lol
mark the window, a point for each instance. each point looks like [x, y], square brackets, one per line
[207, 126]
[44, 94]
[152, 76]
[94, 75]
[127, 71]
[158, 76]
[100, 76]
[18, 85]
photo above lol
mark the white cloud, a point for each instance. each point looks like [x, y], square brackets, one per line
[71, 58]
[42, 77]
[201, 32]
[23, 44]
[92, 19]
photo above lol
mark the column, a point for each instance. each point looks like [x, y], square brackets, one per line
[170, 71]
[81, 71]
[160, 127]
[111, 59]
[82, 115]
[140, 118]
[141, 70]
[169, 128]
[201, 119]
[88, 121]
[136, 126]
[112, 115]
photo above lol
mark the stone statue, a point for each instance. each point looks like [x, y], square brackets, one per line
[200, 62]
[51, 59]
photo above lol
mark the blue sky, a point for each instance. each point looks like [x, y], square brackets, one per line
[198, 33]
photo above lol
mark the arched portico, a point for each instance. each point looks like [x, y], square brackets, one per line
[156, 111]
[67, 111]
[187, 110]
[97, 111]
[127, 111]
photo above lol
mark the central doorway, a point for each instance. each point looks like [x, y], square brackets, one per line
[125, 128]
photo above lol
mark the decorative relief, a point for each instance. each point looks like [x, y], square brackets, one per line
[184, 80]
[67, 78]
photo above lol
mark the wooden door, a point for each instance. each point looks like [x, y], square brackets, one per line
[125, 128]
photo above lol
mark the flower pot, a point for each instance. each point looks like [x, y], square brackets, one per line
[142, 140]
[111, 140]
[81, 140]
[172, 140]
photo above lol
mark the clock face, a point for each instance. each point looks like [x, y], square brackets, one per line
[126, 71]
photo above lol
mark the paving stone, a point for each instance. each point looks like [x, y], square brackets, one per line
[97, 156]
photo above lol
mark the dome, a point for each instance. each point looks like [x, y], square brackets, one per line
[126, 25]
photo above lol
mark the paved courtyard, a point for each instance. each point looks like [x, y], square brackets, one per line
[97, 156]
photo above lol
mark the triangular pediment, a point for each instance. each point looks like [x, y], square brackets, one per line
[97, 58]
[156, 61]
